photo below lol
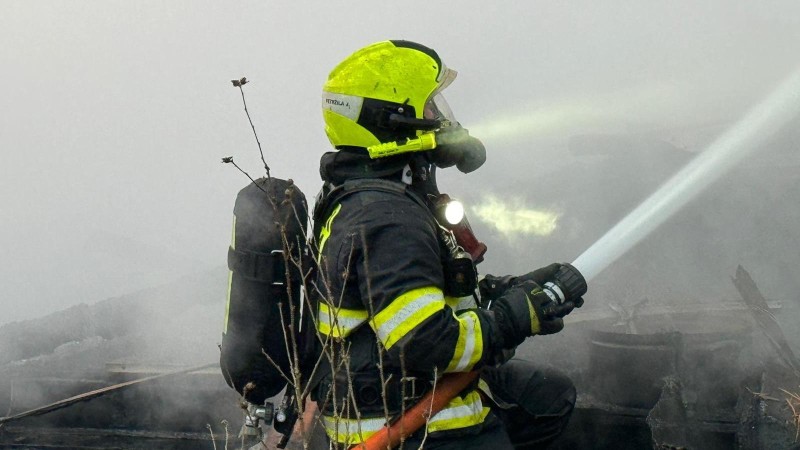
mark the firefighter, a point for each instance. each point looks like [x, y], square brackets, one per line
[389, 321]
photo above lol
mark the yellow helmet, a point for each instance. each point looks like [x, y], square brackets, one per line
[386, 98]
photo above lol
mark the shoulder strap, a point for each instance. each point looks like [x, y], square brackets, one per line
[329, 200]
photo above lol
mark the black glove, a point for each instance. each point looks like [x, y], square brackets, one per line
[545, 318]
[492, 287]
[538, 276]
[522, 312]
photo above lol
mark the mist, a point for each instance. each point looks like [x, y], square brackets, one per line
[116, 114]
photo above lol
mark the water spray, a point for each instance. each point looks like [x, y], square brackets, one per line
[725, 152]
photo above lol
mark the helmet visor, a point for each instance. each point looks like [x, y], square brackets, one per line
[437, 109]
[446, 76]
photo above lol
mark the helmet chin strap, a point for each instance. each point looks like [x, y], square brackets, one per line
[423, 177]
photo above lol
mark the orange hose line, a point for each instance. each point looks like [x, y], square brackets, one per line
[417, 416]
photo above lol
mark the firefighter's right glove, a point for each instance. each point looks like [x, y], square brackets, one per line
[520, 313]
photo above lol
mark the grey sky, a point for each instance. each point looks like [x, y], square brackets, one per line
[115, 113]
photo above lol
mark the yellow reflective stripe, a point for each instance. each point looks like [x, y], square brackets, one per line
[404, 313]
[459, 303]
[326, 230]
[452, 302]
[459, 413]
[484, 387]
[536, 327]
[228, 302]
[469, 347]
[340, 322]
[351, 431]
[230, 279]
[233, 233]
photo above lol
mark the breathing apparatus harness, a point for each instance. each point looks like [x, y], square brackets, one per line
[462, 250]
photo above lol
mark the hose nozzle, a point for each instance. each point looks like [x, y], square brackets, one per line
[566, 289]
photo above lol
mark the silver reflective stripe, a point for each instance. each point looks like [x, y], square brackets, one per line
[347, 324]
[469, 345]
[347, 427]
[386, 328]
[459, 412]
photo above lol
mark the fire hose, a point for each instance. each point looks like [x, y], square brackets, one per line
[417, 416]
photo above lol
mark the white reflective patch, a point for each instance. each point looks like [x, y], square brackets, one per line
[345, 105]
[346, 427]
[344, 324]
[386, 329]
[469, 344]
[459, 412]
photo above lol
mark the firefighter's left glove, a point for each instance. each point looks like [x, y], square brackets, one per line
[492, 287]
[520, 313]
[539, 276]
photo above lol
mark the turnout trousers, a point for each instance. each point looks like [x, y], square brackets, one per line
[531, 406]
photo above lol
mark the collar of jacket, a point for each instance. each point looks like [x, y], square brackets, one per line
[350, 163]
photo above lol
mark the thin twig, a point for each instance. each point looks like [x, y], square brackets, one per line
[795, 419]
[225, 424]
[229, 160]
[430, 408]
[277, 367]
[213, 439]
[378, 343]
[351, 397]
[790, 394]
[244, 102]
[295, 353]
[762, 395]
[311, 314]
[793, 397]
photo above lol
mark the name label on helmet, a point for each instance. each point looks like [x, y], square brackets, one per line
[345, 105]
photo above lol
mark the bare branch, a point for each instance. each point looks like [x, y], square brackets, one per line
[277, 367]
[213, 439]
[239, 84]
[229, 160]
[378, 343]
[430, 407]
[227, 436]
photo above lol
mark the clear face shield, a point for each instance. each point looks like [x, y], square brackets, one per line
[454, 145]
[436, 107]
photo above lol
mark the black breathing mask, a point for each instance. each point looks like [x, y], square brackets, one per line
[455, 147]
